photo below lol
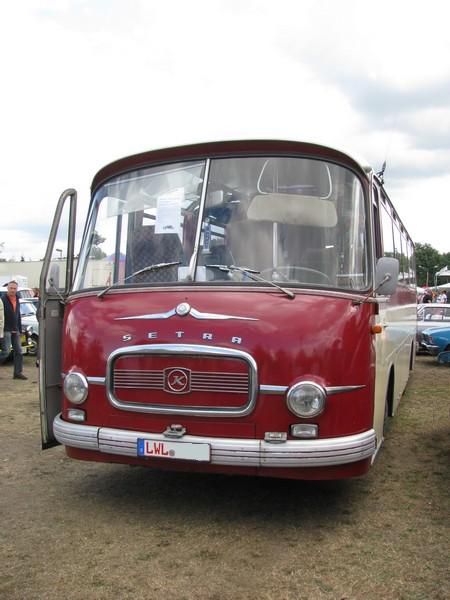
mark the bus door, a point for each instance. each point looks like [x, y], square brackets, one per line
[55, 283]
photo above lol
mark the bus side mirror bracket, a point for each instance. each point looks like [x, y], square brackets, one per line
[386, 276]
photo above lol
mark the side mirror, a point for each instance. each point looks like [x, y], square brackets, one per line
[386, 276]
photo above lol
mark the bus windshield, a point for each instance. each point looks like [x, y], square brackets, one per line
[294, 221]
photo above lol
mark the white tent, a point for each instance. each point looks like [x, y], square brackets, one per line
[444, 272]
[444, 286]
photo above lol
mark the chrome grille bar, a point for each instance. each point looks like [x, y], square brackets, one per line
[245, 384]
[233, 383]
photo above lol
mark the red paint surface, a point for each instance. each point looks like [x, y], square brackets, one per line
[319, 338]
[338, 472]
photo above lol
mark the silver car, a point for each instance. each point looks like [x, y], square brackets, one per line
[431, 316]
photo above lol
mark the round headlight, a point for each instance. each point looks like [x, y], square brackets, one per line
[75, 387]
[306, 399]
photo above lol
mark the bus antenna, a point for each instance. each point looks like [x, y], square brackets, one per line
[380, 174]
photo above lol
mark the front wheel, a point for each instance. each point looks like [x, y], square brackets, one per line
[32, 349]
[388, 404]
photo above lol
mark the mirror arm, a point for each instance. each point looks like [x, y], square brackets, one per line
[372, 293]
[52, 285]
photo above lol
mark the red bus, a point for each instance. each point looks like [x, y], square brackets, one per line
[242, 307]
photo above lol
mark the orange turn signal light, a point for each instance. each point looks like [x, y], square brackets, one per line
[376, 328]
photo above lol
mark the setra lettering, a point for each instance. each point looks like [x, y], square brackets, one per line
[206, 335]
[155, 448]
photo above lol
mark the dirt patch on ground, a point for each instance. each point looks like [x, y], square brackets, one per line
[81, 530]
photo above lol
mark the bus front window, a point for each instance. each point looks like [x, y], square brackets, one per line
[140, 219]
[295, 221]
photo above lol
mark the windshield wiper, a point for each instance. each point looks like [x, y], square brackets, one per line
[253, 274]
[150, 268]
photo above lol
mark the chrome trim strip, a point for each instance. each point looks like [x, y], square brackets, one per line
[193, 312]
[339, 389]
[166, 315]
[227, 451]
[330, 390]
[184, 350]
[276, 390]
[218, 317]
[96, 380]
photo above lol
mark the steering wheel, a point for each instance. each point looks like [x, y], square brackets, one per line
[284, 271]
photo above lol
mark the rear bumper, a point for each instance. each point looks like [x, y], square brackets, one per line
[226, 451]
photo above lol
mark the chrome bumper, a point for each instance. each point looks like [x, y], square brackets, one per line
[226, 451]
[431, 349]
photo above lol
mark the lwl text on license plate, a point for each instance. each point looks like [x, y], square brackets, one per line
[176, 450]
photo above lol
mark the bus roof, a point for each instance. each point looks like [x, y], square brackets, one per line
[219, 149]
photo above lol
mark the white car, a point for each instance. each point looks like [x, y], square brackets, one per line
[433, 315]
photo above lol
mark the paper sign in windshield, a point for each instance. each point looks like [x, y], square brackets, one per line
[168, 212]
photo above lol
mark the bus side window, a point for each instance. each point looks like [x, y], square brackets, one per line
[376, 222]
[388, 236]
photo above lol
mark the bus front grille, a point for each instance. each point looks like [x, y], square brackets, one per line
[182, 379]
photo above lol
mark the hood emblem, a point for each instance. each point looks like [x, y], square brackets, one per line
[177, 381]
[183, 309]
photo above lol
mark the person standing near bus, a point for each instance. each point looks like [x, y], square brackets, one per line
[12, 329]
[2, 329]
[427, 297]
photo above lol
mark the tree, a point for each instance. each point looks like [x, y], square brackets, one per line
[428, 262]
[97, 239]
[96, 252]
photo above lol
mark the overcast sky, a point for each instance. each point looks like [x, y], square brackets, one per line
[85, 82]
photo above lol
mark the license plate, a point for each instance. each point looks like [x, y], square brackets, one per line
[173, 450]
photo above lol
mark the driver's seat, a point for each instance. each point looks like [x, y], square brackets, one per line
[250, 243]
[148, 248]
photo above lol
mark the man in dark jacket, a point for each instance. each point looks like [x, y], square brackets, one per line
[12, 329]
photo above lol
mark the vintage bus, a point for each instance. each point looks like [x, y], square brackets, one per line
[242, 307]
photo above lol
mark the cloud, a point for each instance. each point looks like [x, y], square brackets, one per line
[423, 207]
[392, 66]
[90, 81]
[30, 243]
[429, 128]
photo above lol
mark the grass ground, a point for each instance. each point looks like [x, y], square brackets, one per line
[92, 531]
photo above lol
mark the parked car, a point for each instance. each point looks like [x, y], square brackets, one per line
[437, 342]
[430, 316]
[30, 324]
[22, 292]
[28, 345]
